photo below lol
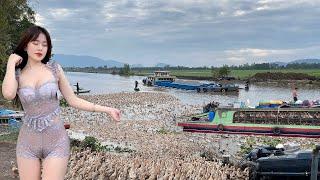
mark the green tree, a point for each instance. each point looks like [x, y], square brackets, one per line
[214, 72]
[15, 17]
[125, 70]
[224, 71]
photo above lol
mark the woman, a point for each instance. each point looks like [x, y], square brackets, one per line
[36, 80]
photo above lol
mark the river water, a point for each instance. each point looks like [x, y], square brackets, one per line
[108, 83]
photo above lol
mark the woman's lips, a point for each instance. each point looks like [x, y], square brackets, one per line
[38, 54]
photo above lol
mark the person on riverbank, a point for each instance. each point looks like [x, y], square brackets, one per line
[36, 79]
[295, 94]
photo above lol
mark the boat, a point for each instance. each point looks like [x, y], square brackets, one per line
[80, 90]
[10, 117]
[281, 120]
[164, 79]
[268, 162]
[213, 87]
[158, 76]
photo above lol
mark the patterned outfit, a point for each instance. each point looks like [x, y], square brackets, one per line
[42, 133]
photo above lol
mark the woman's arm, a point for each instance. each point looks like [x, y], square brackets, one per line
[10, 83]
[76, 102]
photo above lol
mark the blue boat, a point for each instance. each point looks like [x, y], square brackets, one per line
[11, 117]
[164, 79]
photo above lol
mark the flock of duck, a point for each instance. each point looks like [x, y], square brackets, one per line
[160, 150]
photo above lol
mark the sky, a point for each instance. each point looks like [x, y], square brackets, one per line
[183, 32]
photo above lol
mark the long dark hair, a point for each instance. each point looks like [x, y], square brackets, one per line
[31, 34]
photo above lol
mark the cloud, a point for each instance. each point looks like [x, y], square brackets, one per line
[194, 32]
[239, 13]
[39, 19]
[251, 52]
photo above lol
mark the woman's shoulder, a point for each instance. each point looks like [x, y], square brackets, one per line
[54, 66]
[52, 62]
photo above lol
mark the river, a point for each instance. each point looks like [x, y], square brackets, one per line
[108, 83]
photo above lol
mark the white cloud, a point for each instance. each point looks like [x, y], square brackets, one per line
[121, 10]
[280, 4]
[236, 60]
[203, 32]
[239, 13]
[39, 19]
[265, 54]
[56, 40]
[61, 13]
[261, 8]
[249, 52]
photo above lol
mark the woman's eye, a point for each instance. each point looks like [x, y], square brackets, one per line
[35, 43]
[44, 45]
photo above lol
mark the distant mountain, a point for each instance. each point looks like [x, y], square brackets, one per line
[161, 65]
[299, 61]
[84, 61]
[279, 63]
[308, 61]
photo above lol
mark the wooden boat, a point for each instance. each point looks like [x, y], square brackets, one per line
[293, 122]
[82, 91]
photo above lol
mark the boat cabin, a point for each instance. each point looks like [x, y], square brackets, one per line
[159, 76]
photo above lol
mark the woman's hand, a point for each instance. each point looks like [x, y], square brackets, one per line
[14, 59]
[115, 114]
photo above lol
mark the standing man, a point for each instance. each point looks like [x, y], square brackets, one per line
[295, 94]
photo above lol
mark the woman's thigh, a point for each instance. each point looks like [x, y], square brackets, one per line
[54, 168]
[29, 168]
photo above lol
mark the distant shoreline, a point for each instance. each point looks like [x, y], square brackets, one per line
[237, 80]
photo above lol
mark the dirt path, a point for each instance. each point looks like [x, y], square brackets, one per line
[7, 154]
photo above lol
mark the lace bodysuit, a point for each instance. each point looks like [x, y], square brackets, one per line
[42, 133]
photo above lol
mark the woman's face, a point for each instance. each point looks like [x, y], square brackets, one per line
[38, 48]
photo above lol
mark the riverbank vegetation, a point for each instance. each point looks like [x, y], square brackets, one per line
[15, 17]
[240, 72]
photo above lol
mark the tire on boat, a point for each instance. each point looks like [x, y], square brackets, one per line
[198, 90]
[205, 89]
[223, 90]
[276, 131]
[220, 127]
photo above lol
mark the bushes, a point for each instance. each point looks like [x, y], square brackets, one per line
[93, 144]
[63, 103]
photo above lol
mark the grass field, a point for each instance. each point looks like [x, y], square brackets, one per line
[242, 74]
[10, 137]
